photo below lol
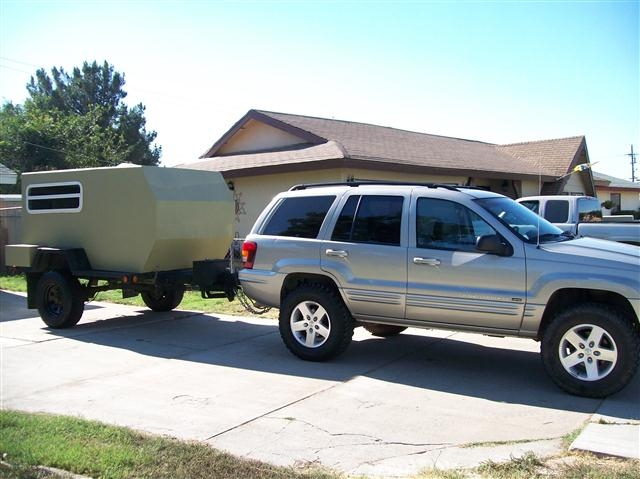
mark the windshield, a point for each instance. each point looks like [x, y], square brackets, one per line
[522, 221]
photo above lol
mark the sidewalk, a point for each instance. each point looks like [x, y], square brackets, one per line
[615, 427]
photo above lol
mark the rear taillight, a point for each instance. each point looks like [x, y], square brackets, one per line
[249, 249]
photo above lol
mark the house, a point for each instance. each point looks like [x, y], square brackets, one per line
[625, 195]
[7, 176]
[267, 152]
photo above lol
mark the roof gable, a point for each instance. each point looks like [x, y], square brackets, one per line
[287, 134]
[552, 156]
[256, 136]
[557, 157]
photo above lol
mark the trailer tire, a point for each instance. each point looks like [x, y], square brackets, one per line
[59, 299]
[164, 300]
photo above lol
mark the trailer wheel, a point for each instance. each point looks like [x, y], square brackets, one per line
[59, 300]
[590, 350]
[384, 330]
[164, 300]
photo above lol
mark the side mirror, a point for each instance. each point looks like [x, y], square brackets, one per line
[493, 244]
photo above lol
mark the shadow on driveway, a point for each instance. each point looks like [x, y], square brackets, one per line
[431, 363]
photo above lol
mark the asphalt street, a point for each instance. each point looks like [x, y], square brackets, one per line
[386, 407]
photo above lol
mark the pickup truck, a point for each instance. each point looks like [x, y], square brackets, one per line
[582, 216]
[391, 256]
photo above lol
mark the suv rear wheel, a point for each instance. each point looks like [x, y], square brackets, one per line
[315, 325]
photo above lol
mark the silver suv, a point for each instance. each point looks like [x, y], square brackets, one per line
[388, 256]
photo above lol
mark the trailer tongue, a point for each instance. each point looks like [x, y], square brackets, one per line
[141, 229]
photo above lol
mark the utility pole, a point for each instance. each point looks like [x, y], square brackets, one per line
[633, 165]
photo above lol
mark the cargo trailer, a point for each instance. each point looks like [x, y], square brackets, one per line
[144, 230]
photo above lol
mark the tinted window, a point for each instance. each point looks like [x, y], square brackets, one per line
[557, 211]
[589, 210]
[53, 204]
[344, 226]
[370, 219]
[54, 198]
[299, 217]
[442, 224]
[533, 205]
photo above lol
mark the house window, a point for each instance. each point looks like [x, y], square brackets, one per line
[54, 198]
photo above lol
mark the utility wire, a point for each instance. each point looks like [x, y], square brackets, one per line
[18, 61]
[43, 147]
[104, 162]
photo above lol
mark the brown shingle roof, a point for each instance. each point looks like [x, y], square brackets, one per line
[553, 156]
[325, 151]
[361, 142]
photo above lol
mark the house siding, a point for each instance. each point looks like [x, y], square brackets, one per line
[258, 136]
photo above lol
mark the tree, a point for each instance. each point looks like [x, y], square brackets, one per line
[75, 120]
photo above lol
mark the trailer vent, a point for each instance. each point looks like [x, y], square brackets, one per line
[54, 198]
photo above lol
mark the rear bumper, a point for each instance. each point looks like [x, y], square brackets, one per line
[262, 286]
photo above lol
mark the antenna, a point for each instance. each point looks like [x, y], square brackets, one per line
[540, 203]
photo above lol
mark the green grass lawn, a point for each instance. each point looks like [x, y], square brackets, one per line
[192, 301]
[98, 450]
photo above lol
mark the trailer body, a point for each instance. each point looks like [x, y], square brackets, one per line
[135, 219]
[145, 230]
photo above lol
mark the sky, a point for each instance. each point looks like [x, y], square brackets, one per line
[494, 71]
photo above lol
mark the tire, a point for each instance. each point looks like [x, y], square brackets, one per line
[59, 299]
[591, 350]
[161, 301]
[315, 325]
[383, 330]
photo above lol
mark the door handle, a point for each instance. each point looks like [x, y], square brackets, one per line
[336, 252]
[427, 261]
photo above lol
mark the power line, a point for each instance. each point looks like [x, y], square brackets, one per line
[19, 62]
[15, 69]
[104, 162]
[43, 147]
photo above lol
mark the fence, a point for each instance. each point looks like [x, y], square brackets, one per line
[10, 230]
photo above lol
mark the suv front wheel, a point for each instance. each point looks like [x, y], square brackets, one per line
[591, 350]
[315, 325]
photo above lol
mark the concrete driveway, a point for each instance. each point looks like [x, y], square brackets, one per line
[387, 407]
